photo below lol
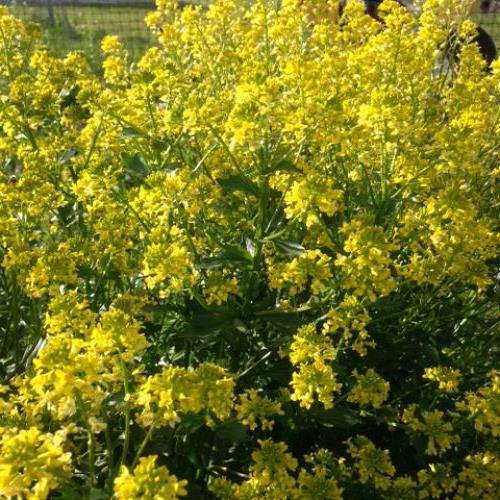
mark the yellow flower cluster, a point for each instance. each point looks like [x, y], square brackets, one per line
[461, 242]
[115, 64]
[82, 363]
[447, 378]
[484, 406]
[167, 266]
[255, 411]
[163, 397]
[349, 321]
[218, 287]
[433, 426]
[310, 270]
[367, 264]
[371, 463]
[32, 463]
[370, 389]
[147, 480]
[307, 199]
[271, 476]
[479, 476]
[313, 352]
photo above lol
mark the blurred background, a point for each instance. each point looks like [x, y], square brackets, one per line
[81, 24]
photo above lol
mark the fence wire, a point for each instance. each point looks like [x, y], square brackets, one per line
[81, 24]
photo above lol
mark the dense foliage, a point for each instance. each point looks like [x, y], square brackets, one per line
[258, 264]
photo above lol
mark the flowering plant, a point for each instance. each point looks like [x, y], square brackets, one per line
[259, 263]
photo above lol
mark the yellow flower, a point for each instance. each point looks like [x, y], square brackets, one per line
[372, 464]
[308, 345]
[349, 321]
[254, 410]
[218, 287]
[271, 467]
[484, 406]
[479, 476]
[148, 481]
[114, 66]
[164, 397]
[311, 379]
[80, 363]
[370, 389]
[168, 265]
[307, 198]
[431, 424]
[436, 481]
[32, 463]
[311, 267]
[367, 266]
[448, 378]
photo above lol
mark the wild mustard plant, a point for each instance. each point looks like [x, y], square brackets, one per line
[259, 263]
[148, 481]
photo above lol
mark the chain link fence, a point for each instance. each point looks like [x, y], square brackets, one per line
[81, 24]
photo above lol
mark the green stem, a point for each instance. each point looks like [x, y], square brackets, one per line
[109, 446]
[92, 146]
[233, 159]
[126, 386]
[145, 441]
[29, 134]
[91, 448]
[259, 235]
[134, 212]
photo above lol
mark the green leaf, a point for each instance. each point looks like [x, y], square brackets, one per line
[235, 253]
[135, 169]
[70, 153]
[203, 324]
[69, 494]
[74, 494]
[341, 417]
[239, 183]
[232, 431]
[288, 247]
[285, 164]
[131, 132]
[134, 165]
[210, 263]
[285, 321]
[250, 246]
[280, 371]
[68, 96]
[231, 254]
[191, 423]
[98, 494]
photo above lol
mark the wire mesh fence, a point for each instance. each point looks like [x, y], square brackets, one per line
[488, 16]
[81, 24]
